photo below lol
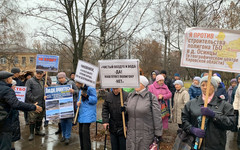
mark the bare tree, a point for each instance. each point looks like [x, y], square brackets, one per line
[150, 54]
[115, 29]
[67, 17]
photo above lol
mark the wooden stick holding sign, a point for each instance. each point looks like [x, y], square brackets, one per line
[75, 119]
[46, 78]
[205, 105]
[123, 114]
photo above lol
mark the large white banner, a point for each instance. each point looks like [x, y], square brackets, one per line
[20, 92]
[120, 73]
[86, 73]
[211, 49]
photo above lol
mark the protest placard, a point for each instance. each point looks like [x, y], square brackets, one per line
[86, 73]
[47, 63]
[119, 73]
[59, 102]
[211, 49]
[20, 92]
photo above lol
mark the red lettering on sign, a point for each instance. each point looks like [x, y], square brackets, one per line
[20, 89]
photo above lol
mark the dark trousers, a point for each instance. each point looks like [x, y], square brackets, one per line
[118, 142]
[5, 140]
[26, 116]
[84, 135]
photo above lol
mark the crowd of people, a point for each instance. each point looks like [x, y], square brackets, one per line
[148, 109]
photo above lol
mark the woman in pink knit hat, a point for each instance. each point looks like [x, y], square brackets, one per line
[161, 91]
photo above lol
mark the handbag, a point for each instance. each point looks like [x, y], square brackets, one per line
[183, 141]
[164, 109]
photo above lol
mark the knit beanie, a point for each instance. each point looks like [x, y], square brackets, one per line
[159, 77]
[61, 75]
[197, 78]
[178, 82]
[144, 81]
[176, 75]
[163, 72]
[233, 80]
[217, 79]
[213, 82]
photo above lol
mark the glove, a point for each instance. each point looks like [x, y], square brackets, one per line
[222, 97]
[123, 109]
[84, 97]
[197, 132]
[207, 112]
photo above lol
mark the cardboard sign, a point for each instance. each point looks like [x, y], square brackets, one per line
[121, 73]
[47, 63]
[59, 102]
[20, 92]
[211, 49]
[86, 73]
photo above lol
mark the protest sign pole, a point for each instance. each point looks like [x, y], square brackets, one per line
[46, 78]
[123, 114]
[205, 105]
[75, 119]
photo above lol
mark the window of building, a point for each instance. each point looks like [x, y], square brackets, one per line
[32, 60]
[15, 60]
[23, 60]
[3, 60]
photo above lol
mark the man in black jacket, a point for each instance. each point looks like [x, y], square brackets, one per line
[112, 116]
[16, 72]
[35, 93]
[9, 101]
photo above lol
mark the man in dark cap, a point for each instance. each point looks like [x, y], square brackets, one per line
[72, 76]
[35, 93]
[9, 101]
[16, 72]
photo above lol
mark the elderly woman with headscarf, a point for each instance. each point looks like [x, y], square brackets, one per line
[144, 118]
[181, 97]
[161, 91]
[219, 114]
[195, 90]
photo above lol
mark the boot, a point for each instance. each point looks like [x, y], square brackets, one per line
[66, 141]
[31, 137]
[59, 129]
[38, 126]
[238, 138]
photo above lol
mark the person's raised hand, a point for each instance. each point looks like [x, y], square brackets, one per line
[38, 108]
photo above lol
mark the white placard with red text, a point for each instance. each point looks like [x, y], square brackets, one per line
[211, 49]
[20, 92]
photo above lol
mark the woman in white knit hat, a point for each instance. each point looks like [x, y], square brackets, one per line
[144, 118]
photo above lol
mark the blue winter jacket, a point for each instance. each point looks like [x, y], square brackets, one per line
[194, 91]
[87, 110]
[221, 91]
